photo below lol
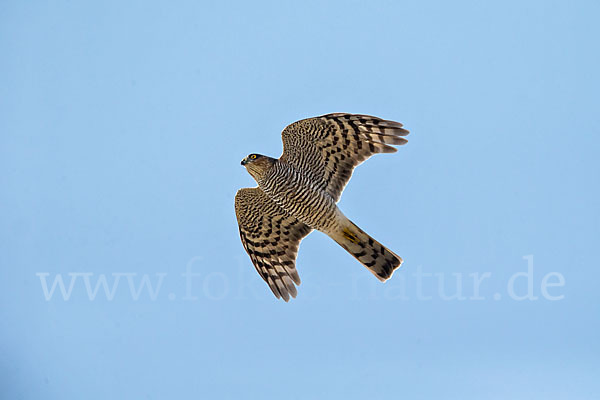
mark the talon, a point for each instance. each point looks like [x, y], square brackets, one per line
[351, 236]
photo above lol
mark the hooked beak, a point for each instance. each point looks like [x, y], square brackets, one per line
[244, 161]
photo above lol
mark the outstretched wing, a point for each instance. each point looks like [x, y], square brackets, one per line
[271, 238]
[327, 148]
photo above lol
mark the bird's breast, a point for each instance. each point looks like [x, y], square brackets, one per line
[301, 198]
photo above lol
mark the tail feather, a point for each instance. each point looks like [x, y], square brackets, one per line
[380, 260]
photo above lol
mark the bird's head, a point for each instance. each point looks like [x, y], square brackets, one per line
[257, 165]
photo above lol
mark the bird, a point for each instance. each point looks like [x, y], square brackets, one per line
[298, 193]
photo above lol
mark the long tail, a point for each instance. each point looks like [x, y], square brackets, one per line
[381, 261]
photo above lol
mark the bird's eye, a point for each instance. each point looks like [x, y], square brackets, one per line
[253, 156]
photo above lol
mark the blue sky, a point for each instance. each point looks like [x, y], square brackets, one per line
[122, 125]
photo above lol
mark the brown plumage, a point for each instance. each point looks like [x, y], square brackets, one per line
[298, 193]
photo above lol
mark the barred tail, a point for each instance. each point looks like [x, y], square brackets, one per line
[376, 257]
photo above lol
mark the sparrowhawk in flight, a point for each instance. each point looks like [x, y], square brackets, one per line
[298, 193]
